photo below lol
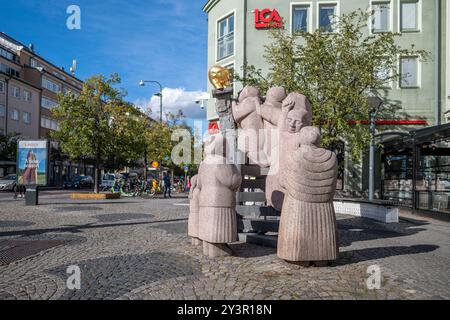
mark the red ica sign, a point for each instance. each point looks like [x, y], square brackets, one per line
[267, 18]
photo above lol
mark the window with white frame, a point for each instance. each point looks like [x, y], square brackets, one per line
[381, 16]
[409, 72]
[36, 64]
[26, 117]
[16, 92]
[225, 37]
[2, 87]
[27, 95]
[301, 16]
[48, 103]
[409, 15]
[2, 110]
[49, 124]
[383, 73]
[50, 85]
[15, 115]
[327, 16]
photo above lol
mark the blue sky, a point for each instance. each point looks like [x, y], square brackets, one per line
[163, 40]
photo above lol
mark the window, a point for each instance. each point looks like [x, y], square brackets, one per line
[2, 110]
[381, 18]
[48, 103]
[16, 92]
[8, 55]
[50, 85]
[49, 124]
[2, 87]
[15, 115]
[27, 95]
[8, 70]
[225, 38]
[327, 16]
[300, 18]
[36, 64]
[409, 72]
[409, 15]
[26, 117]
[383, 73]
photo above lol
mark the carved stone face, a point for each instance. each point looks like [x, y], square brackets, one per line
[296, 120]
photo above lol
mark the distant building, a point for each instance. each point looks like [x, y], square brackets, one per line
[238, 33]
[29, 85]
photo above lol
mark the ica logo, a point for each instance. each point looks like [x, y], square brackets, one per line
[267, 18]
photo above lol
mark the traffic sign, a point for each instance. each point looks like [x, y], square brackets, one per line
[155, 164]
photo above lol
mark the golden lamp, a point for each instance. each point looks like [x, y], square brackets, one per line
[219, 77]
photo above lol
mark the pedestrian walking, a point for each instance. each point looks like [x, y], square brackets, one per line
[167, 186]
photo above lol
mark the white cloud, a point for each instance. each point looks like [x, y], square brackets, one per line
[174, 100]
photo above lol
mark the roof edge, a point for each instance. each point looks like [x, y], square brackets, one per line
[209, 5]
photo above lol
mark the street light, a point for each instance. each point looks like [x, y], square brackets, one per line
[159, 94]
[375, 104]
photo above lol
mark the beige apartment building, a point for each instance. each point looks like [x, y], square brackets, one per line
[29, 85]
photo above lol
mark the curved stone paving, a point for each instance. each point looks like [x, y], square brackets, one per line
[146, 254]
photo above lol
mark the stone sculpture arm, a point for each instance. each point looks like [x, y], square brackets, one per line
[233, 181]
[243, 109]
[269, 113]
[282, 120]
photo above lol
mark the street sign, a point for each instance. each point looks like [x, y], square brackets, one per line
[155, 164]
[166, 158]
[186, 169]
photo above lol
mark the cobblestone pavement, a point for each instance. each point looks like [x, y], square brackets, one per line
[138, 249]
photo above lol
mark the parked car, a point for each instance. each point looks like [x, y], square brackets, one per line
[8, 183]
[79, 182]
[108, 180]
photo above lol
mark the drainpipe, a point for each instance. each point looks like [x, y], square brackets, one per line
[437, 71]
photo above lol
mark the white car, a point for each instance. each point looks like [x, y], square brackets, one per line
[108, 180]
[8, 183]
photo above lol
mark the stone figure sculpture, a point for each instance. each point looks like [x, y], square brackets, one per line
[218, 183]
[251, 138]
[308, 231]
[193, 223]
[295, 114]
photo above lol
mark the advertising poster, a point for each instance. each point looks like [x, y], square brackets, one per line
[32, 163]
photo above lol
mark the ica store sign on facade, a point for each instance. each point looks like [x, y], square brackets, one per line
[267, 18]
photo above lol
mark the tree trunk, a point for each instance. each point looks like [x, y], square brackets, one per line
[96, 174]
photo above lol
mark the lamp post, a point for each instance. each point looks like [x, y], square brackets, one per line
[159, 94]
[375, 104]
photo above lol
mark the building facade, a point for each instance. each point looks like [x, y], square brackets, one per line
[238, 34]
[29, 85]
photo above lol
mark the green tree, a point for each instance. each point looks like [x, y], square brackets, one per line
[98, 124]
[8, 146]
[336, 71]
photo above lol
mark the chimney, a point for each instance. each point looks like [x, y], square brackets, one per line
[31, 47]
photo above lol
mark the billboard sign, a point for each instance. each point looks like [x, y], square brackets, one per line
[32, 163]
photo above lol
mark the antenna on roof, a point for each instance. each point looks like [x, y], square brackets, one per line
[73, 69]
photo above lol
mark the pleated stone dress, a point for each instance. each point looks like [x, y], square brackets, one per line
[217, 216]
[308, 229]
[194, 207]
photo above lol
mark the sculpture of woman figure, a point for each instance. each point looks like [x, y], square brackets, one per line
[194, 194]
[308, 229]
[251, 138]
[295, 114]
[218, 183]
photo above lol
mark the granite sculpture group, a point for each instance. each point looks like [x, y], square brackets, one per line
[301, 183]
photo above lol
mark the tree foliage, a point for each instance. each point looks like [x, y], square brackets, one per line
[336, 71]
[99, 124]
[8, 146]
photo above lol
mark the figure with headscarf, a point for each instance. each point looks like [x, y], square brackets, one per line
[218, 182]
[308, 230]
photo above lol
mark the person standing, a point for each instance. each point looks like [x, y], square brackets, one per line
[167, 185]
